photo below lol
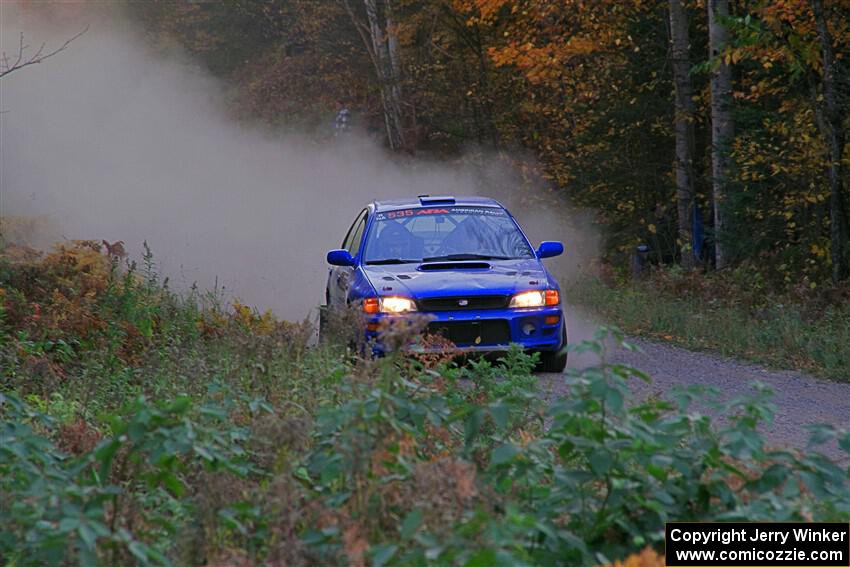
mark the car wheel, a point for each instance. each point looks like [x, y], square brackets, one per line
[555, 361]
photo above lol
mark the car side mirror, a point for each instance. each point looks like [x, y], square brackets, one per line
[549, 248]
[340, 258]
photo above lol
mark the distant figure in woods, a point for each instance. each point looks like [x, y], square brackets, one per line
[342, 122]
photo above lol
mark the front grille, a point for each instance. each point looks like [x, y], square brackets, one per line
[473, 333]
[461, 302]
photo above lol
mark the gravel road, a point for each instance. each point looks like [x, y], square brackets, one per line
[800, 399]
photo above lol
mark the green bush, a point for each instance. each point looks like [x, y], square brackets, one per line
[261, 450]
[121, 499]
[597, 483]
[410, 465]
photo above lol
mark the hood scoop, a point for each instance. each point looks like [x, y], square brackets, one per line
[442, 266]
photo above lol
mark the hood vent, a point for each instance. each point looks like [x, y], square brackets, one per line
[438, 266]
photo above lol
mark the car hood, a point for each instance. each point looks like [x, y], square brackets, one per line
[458, 278]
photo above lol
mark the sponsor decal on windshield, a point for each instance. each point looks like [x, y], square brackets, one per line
[409, 213]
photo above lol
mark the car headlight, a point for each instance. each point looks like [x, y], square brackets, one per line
[535, 299]
[391, 304]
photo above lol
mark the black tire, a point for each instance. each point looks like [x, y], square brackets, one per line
[556, 360]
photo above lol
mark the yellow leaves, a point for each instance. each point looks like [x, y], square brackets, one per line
[263, 324]
[733, 55]
[80, 266]
[211, 324]
[652, 228]
[646, 558]
[242, 313]
[818, 251]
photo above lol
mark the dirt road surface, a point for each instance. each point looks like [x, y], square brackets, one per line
[800, 399]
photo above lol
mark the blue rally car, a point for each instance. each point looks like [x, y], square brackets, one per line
[465, 262]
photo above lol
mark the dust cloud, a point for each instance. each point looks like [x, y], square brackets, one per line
[108, 141]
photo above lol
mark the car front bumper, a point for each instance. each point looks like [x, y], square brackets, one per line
[538, 329]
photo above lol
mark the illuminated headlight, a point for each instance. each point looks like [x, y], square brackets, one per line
[397, 305]
[535, 299]
[528, 299]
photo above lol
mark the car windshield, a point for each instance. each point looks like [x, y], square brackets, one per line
[444, 234]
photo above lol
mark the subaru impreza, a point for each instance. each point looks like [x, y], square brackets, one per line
[462, 261]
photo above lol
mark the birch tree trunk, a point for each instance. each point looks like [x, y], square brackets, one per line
[385, 59]
[684, 128]
[722, 125]
[831, 114]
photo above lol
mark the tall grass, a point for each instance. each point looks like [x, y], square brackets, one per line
[780, 332]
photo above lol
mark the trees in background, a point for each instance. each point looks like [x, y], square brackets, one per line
[684, 127]
[833, 105]
[793, 91]
[722, 123]
[646, 110]
[380, 39]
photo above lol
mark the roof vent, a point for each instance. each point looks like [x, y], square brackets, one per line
[437, 200]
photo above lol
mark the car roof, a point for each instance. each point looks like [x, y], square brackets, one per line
[432, 200]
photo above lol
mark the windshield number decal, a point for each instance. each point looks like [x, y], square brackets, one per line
[397, 214]
[407, 213]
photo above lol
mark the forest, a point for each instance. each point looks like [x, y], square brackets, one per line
[711, 131]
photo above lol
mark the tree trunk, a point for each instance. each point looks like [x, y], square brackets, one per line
[831, 114]
[684, 127]
[392, 49]
[722, 126]
[384, 67]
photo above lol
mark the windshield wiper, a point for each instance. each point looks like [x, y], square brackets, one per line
[460, 257]
[384, 261]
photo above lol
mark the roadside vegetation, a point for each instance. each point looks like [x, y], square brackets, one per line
[140, 426]
[735, 313]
